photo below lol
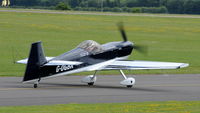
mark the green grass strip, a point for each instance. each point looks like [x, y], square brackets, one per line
[133, 107]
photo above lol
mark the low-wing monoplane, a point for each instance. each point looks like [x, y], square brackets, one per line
[89, 56]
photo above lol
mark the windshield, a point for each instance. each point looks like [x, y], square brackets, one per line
[91, 46]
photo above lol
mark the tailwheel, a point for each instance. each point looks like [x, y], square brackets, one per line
[129, 86]
[35, 85]
[91, 83]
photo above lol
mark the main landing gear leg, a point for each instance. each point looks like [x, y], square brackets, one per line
[93, 79]
[128, 82]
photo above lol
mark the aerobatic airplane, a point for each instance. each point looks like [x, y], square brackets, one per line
[89, 56]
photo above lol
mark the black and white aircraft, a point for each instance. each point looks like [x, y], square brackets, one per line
[89, 56]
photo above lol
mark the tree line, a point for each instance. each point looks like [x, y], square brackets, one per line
[135, 6]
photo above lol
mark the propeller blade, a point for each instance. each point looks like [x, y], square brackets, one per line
[141, 49]
[121, 29]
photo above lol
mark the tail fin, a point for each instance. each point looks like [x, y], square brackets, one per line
[35, 61]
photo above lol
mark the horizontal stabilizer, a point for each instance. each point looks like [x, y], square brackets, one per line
[51, 62]
[24, 61]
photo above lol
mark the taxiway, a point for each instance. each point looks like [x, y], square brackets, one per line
[69, 89]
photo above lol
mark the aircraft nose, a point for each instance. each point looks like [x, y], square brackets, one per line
[130, 43]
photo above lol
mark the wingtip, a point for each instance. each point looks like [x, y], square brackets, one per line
[184, 65]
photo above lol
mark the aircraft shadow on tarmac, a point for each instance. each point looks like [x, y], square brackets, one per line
[53, 86]
[136, 88]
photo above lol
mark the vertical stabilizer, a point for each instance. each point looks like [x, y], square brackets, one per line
[35, 61]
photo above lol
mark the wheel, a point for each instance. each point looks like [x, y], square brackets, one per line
[35, 85]
[129, 86]
[91, 83]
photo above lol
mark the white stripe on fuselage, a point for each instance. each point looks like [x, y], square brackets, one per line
[94, 67]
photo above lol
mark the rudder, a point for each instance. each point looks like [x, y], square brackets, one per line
[35, 61]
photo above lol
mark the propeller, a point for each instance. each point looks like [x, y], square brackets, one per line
[121, 29]
[140, 48]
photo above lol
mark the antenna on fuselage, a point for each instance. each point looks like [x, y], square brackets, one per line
[15, 54]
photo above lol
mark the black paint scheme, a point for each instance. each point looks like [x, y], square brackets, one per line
[37, 68]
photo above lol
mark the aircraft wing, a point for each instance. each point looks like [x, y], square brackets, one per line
[116, 65]
[143, 65]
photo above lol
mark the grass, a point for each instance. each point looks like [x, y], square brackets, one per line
[133, 107]
[168, 39]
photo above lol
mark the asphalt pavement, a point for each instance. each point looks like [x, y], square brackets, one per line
[69, 89]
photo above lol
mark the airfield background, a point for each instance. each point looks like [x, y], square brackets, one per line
[132, 6]
[171, 37]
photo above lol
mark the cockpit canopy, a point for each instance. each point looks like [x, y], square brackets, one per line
[91, 46]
